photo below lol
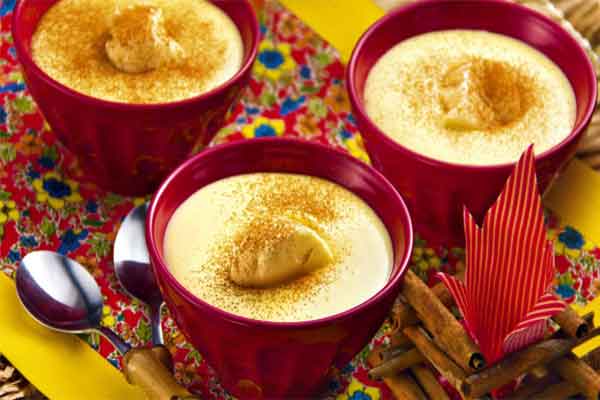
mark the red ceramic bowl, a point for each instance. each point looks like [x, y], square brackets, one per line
[436, 191]
[130, 148]
[275, 359]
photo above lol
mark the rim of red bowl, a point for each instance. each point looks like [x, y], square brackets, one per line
[401, 263]
[25, 57]
[359, 108]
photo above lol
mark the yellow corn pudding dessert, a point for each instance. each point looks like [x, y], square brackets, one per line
[138, 51]
[469, 97]
[278, 247]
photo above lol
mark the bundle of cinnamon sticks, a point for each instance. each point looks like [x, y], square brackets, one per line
[429, 345]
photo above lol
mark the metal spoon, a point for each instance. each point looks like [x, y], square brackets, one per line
[133, 270]
[62, 295]
[132, 267]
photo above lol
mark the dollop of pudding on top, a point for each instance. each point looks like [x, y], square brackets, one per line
[139, 41]
[277, 249]
[483, 94]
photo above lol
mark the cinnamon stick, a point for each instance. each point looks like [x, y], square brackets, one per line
[575, 371]
[548, 386]
[391, 353]
[593, 359]
[539, 372]
[444, 365]
[447, 331]
[531, 386]
[401, 386]
[404, 387]
[374, 356]
[399, 339]
[571, 323]
[429, 382]
[552, 386]
[589, 318]
[404, 315]
[557, 391]
[518, 363]
[399, 343]
[397, 364]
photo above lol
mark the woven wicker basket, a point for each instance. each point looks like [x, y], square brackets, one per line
[582, 19]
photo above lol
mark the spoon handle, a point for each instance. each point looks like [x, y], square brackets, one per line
[116, 341]
[143, 368]
[163, 356]
[157, 334]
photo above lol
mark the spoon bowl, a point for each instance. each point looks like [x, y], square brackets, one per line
[62, 295]
[133, 269]
[131, 259]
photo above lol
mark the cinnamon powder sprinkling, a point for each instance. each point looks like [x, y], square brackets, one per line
[255, 206]
[69, 45]
[493, 94]
[403, 89]
[260, 225]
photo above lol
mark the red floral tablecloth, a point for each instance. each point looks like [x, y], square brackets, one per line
[297, 90]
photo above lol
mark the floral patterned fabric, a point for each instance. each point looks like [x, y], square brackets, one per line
[297, 90]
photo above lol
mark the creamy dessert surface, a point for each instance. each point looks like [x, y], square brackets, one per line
[469, 97]
[138, 51]
[229, 220]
